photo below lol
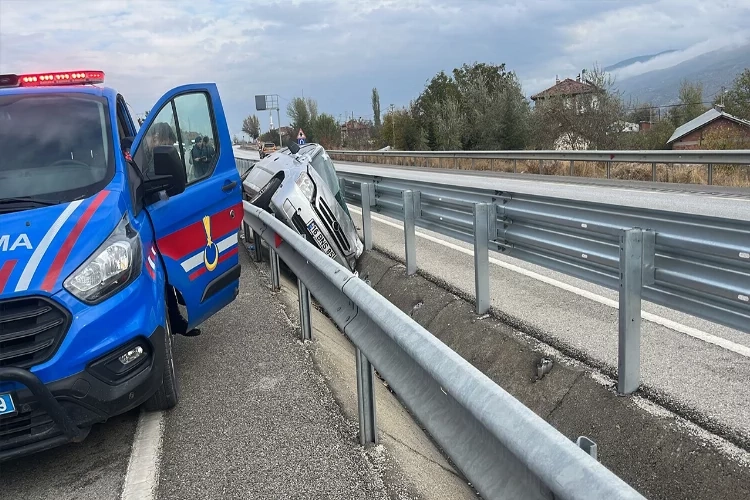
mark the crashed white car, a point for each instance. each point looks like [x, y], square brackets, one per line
[300, 187]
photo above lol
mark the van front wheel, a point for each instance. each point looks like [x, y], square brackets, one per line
[168, 394]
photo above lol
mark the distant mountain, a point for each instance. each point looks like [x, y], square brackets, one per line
[637, 59]
[661, 87]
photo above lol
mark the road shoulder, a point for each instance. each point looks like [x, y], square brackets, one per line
[412, 465]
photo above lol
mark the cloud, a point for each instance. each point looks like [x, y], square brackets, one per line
[338, 50]
[663, 61]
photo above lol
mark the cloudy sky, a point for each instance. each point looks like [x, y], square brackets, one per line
[336, 51]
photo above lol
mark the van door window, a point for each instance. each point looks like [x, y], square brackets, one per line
[185, 122]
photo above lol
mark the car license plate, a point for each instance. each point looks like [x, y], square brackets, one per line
[6, 405]
[320, 239]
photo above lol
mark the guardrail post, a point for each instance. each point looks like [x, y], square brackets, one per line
[515, 165]
[246, 232]
[366, 216]
[609, 170]
[572, 168]
[342, 187]
[305, 321]
[275, 272]
[541, 167]
[257, 247]
[410, 237]
[368, 432]
[653, 172]
[710, 174]
[631, 284]
[482, 257]
[587, 445]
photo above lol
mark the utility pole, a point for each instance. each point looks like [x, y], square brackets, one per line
[393, 125]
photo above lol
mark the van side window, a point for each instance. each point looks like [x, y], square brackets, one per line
[185, 123]
[199, 138]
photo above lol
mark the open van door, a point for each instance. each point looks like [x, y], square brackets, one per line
[196, 231]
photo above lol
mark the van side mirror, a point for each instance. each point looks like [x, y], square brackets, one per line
[169, 174]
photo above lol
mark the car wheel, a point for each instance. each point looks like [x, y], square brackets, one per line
[168, 394]
[263, 198]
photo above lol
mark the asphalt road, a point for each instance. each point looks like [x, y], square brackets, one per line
[705, 381]
[92, 469]
[255, 420]
[681, 361]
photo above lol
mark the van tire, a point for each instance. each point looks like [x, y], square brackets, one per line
[166, 397]
[263, 198]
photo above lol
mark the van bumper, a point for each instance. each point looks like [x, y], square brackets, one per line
[49, 415]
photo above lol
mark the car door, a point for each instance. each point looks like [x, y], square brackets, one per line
[197, 230]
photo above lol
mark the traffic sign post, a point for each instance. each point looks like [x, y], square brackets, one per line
[301, 138]
[270, 102]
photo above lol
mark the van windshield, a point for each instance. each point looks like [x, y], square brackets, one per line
[54, 148]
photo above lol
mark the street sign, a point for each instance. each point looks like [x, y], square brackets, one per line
[301, 138]
[260, 102]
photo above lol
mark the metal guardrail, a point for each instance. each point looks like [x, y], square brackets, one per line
[244, 164]
[502, 447]
[698, 265]
[670, 157]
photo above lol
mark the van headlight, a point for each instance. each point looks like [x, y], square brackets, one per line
[112, 267]
[306, 185]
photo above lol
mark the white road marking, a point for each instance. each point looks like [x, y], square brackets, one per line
[740, 349]
[41, 249]
[142, 477]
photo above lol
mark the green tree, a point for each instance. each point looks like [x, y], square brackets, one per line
[301, 116]
[496, 112]
[494, 76]
[737, 98]
[440, 89]
[401, 130]
[690, 105]
[327, 131]
[477, 106]
[251, 126]
[449, 125]
[376, 108]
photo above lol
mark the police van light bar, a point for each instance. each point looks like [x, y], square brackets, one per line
[45, 79]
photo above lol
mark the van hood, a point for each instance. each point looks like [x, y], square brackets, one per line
[41, 247]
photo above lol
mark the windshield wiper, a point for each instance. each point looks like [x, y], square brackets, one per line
[30, 200]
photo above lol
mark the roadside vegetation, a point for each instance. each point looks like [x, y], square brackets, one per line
[482, 107]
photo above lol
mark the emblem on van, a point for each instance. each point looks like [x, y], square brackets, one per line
[9, 242]
[211, 252]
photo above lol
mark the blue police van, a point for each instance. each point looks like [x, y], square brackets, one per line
[113, 239]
